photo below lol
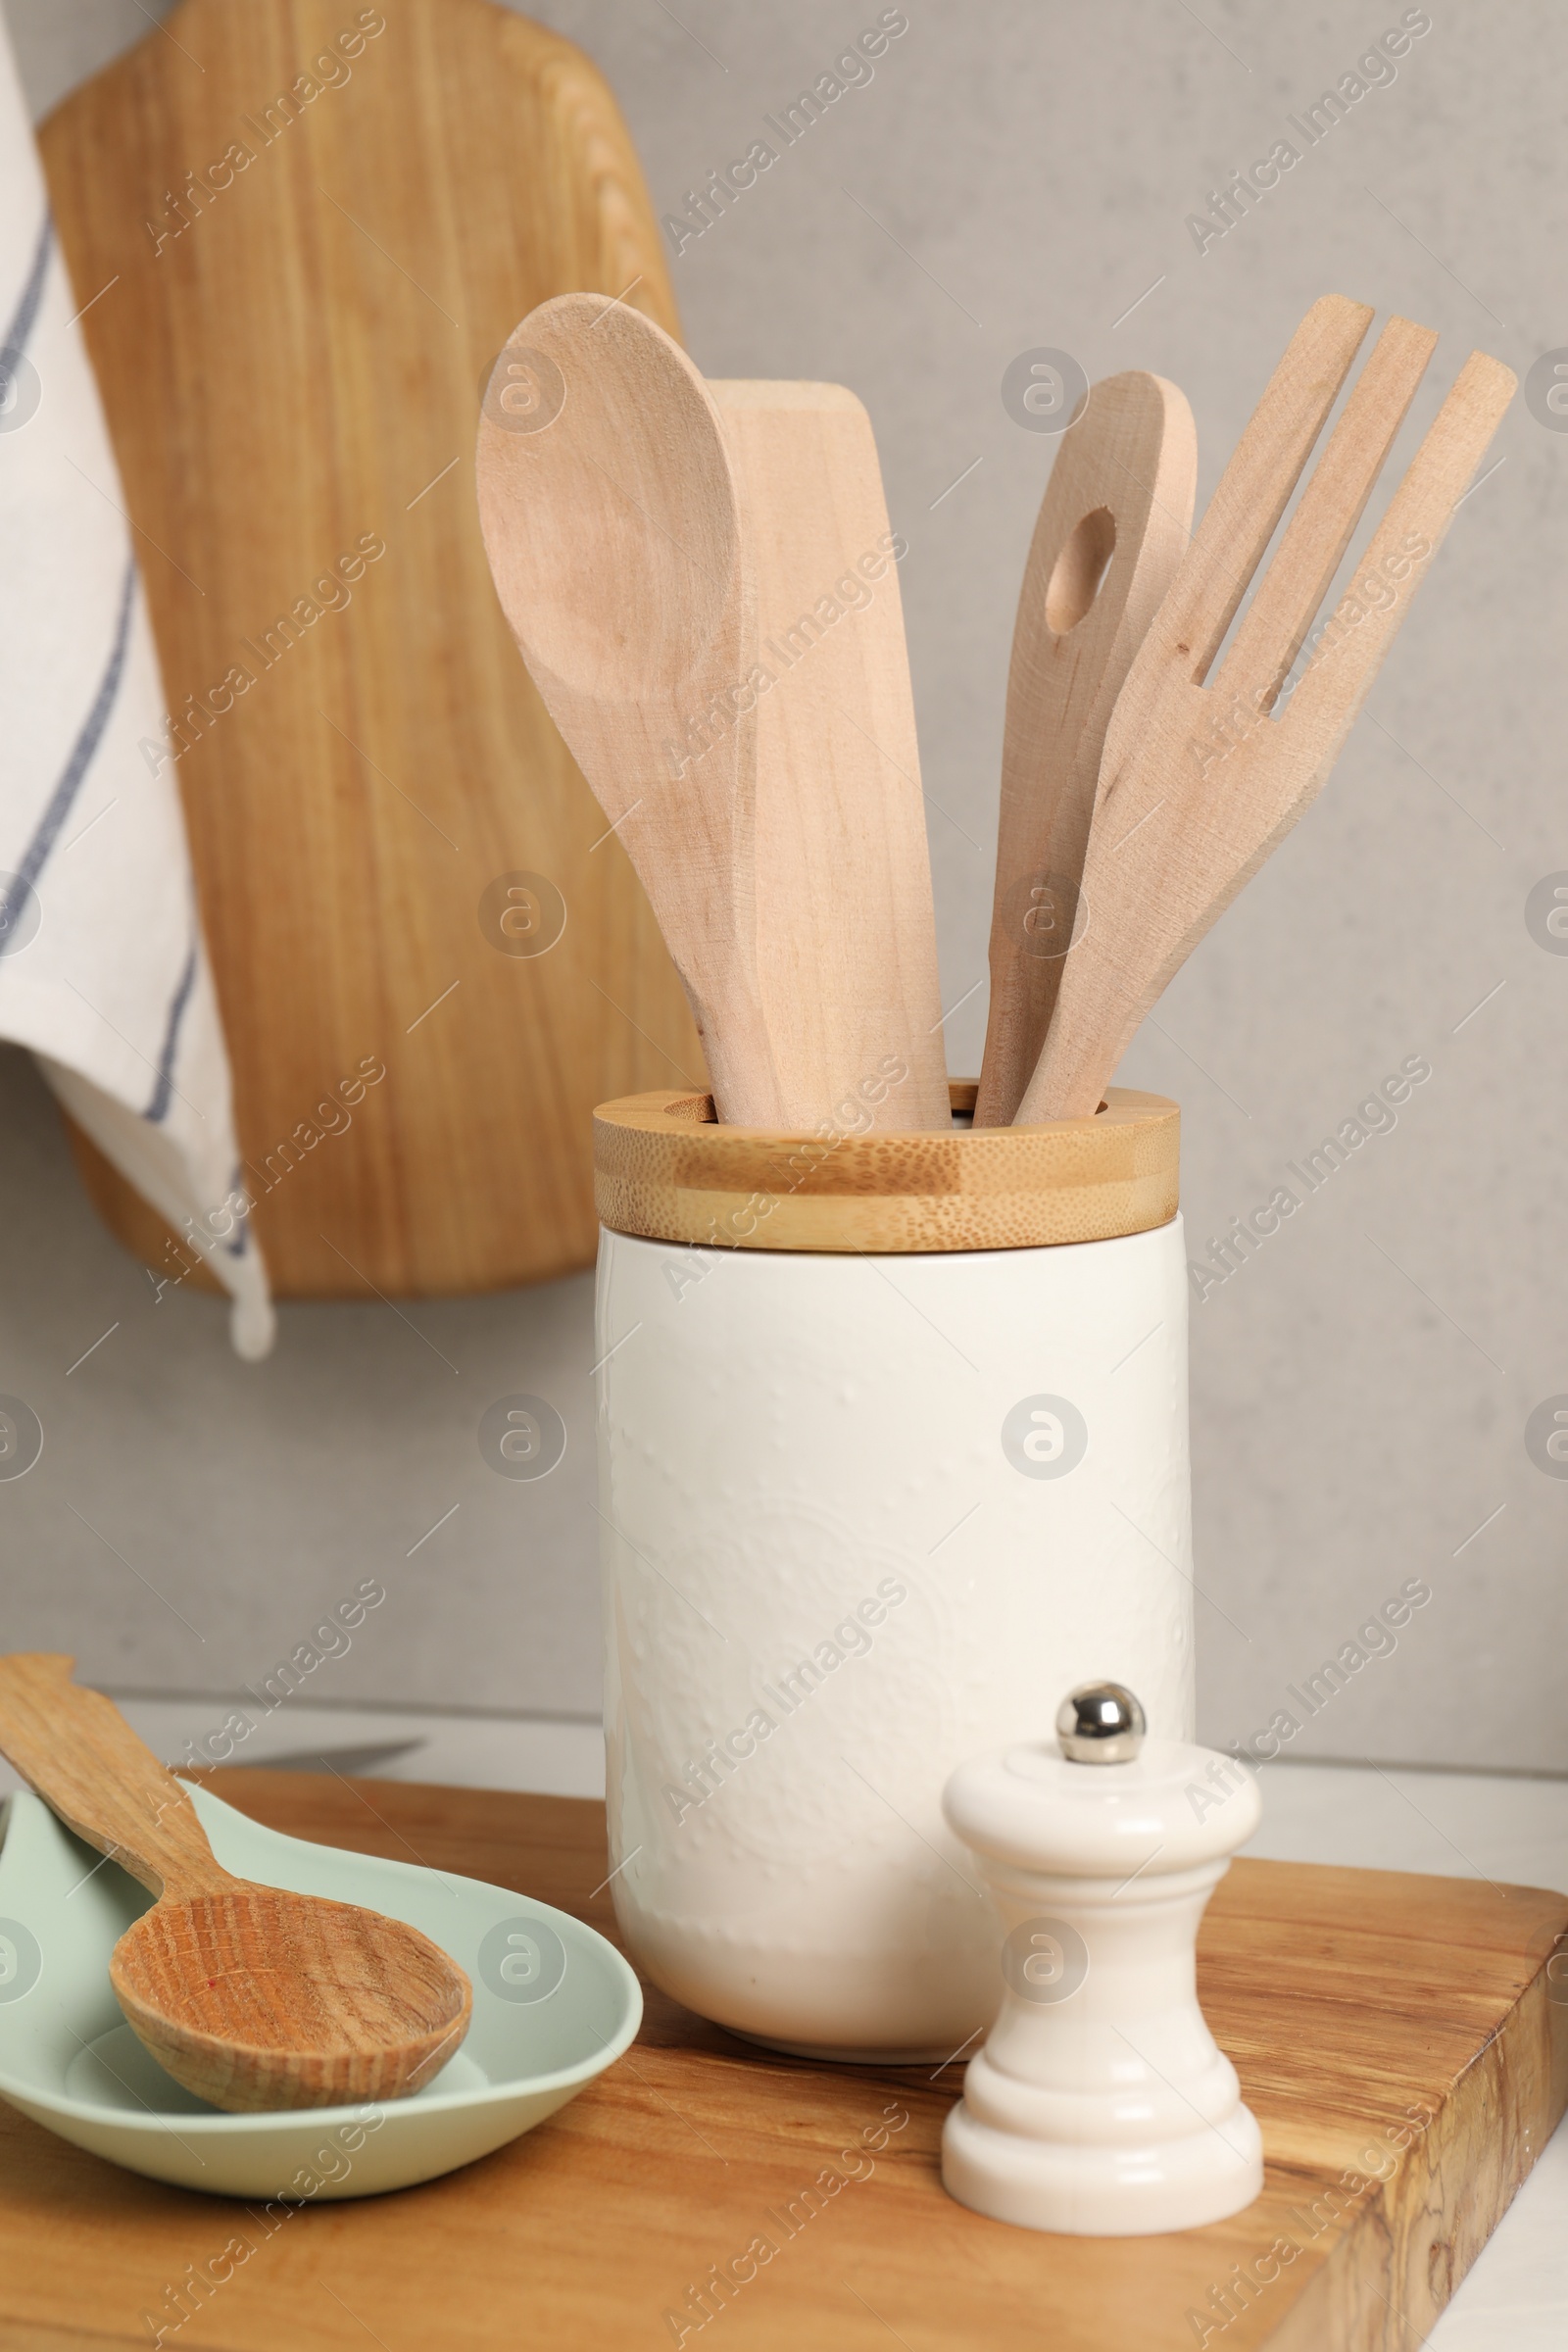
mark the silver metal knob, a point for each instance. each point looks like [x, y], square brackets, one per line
[1100, 1723]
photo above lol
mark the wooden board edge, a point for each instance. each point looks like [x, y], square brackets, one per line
[1394, 2270]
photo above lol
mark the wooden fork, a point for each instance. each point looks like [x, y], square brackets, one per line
[1197, 782]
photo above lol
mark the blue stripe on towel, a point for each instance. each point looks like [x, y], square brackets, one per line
[158, 1108]
[238, 1247]
[20, 332]
[77, 766]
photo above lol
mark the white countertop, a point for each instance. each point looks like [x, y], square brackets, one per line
[1452, 1823]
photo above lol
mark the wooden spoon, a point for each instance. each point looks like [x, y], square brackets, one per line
[1113, 526]
[252, 1997]
[612, 519]
[845, 935]
[1198, 781]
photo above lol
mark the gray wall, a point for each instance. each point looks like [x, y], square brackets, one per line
[1361, 1387]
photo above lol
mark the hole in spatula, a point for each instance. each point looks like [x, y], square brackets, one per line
[1078, 572]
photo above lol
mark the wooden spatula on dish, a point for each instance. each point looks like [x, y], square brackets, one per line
[1113, 526]
[612, 519]
[845, 936]
[1198, 781]
[251, 1996]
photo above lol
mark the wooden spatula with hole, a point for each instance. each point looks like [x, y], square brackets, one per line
[254, 1999]
[1198, 781]
[1113, 526]
[612, 519]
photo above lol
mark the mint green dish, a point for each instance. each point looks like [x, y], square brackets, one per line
[554, 2005]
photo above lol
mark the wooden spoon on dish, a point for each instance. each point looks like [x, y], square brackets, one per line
[253, 1997]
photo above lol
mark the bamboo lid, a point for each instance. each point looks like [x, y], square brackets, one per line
[664, 1168]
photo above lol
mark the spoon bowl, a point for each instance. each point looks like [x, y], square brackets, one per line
[622, 604]
[254, 1998]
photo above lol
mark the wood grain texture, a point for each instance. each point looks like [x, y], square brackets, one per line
[846, 931]
[1113, 526]
[252, 1997]
[1353, 2004]
[76, 1749]
[665, 1169]
[611, 519]
[1198, 779]
[292, 375]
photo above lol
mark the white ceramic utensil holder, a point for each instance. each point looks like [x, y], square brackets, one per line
[1101, 2105]
[893, 1449]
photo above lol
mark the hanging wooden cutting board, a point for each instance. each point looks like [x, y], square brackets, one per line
[305, 229]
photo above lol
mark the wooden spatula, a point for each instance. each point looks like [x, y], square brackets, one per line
[1113, 526]
[845, 936]
[250, 1996]
[612, 519]
[1198, 781]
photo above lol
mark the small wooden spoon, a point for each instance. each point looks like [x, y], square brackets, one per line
[252, 1997]
[1113, 526]
[612, 519]
[845, 936]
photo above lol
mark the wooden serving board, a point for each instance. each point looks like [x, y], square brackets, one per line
[293, 378]
[1355, 2003]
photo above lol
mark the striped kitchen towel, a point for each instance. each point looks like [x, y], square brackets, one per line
[103, 969]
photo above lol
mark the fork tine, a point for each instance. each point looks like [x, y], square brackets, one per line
[1255, 486]
[1309, 556]
[1352, 645]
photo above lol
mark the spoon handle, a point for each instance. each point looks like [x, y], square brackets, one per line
[77, 1750]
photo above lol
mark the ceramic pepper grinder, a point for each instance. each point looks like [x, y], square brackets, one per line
[1101, 2105]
